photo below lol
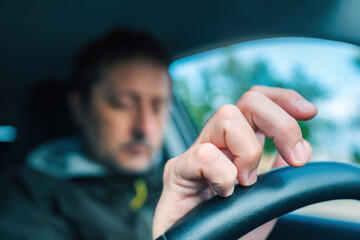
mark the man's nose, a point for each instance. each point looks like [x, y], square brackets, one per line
[145, 120]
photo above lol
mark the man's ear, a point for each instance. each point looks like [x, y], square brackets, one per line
[76, 107]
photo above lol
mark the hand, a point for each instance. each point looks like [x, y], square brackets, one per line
[229, 149]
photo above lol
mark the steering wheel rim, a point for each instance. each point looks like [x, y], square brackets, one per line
[276, 193]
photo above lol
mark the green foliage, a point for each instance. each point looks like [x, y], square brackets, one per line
[356, 157]
[226, 82]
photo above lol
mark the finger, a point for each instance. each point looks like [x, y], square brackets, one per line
[230, 131]
[280, 162]
[268, 117]
[289, 100]
[206, 162]
[261, 137]
[186, 183]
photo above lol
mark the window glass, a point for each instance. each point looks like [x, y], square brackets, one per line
[325, 72]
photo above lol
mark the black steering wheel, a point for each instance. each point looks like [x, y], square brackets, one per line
[276, 193]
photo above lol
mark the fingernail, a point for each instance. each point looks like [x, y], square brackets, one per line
[305, 105]
[230, 192]
[300, 153]
[252, 177]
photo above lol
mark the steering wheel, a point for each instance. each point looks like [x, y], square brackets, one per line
[276, 193]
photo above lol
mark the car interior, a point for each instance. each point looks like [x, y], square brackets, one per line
[39, 40]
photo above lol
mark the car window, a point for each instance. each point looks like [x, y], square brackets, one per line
[326, 72]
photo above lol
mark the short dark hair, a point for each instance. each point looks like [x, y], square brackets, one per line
[119, 44]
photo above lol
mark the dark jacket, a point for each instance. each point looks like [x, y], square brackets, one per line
[35, 205]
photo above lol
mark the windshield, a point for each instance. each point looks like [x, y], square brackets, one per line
[325, 72]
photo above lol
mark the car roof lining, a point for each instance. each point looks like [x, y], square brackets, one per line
[43, 38]
[39, 40]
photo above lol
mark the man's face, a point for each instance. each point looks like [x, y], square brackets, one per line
[126, 114]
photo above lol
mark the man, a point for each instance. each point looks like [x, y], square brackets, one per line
[105, 183]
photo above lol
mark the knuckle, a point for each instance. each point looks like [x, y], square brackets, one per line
[226, 115]
[226, 112]
[167, 169]
[206, 153]
[169, 165]
[254, 152]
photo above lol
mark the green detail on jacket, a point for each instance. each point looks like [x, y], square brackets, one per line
[141, 195]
